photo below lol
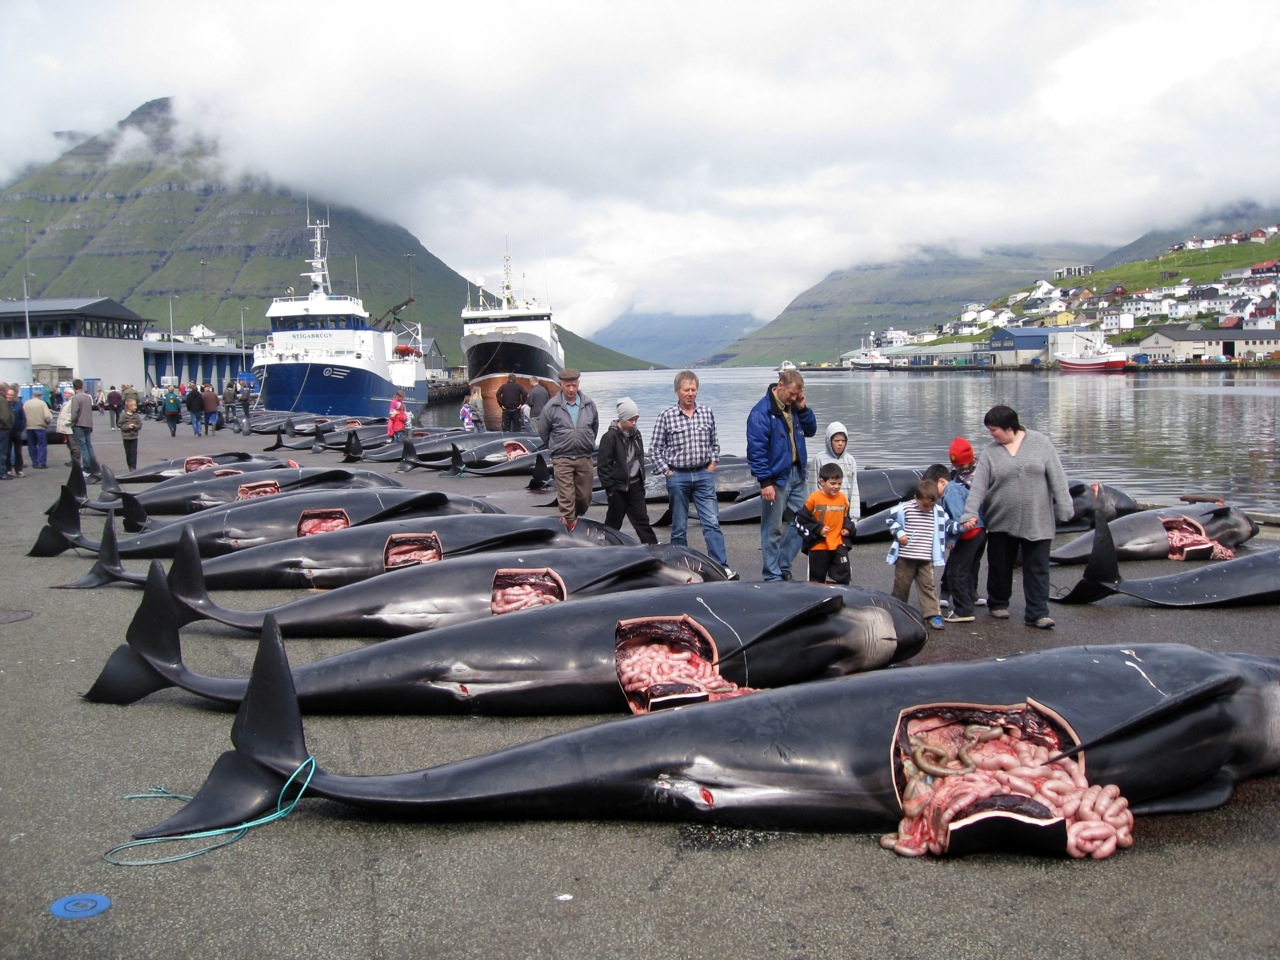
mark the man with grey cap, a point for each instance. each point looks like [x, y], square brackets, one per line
[568, 426]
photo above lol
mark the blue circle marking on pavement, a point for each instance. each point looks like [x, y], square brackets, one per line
[80, 905]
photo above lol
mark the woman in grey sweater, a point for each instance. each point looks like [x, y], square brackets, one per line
[1019, 484]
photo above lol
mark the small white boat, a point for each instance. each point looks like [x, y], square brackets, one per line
[1092, 359]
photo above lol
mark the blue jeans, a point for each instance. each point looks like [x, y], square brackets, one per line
[38, 447]
[84, 440]
[700, 486]
[779, 539]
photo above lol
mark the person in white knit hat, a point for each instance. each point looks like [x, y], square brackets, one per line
[620, 467]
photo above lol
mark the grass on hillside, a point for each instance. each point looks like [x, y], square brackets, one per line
[1199, 266]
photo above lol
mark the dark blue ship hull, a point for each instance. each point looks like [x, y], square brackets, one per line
[330, 389]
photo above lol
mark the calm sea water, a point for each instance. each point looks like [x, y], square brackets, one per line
[1156, 436]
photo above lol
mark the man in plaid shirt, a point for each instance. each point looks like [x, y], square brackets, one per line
[685, 448]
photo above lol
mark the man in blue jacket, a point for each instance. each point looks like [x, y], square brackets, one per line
[776, 428]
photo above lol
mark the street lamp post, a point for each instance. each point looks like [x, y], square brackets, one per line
[173, 363]
[26, 314]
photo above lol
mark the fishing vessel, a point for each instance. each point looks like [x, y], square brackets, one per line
[325, 356]
[1090, 357]
[864, 359]
[505, 334]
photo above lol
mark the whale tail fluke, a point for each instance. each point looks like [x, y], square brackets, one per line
[353, 450]
[540, 476]
[110, 488]
[107, 568]
[135, 514]
[1101, 574]
[407, 453]
[187, 595]
[152, 637]
[75, 483]
[456, 467]
[62, 531]
[268, 736]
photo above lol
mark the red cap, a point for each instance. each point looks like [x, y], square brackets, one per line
[961, 452]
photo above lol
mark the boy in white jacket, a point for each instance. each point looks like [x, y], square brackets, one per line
[837, 451]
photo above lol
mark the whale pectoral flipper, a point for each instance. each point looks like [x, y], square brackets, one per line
[1208, 795]
[1208, 690]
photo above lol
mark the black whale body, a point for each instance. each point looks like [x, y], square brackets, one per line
[360, 552]
[1250, 579]
[1143, 535]
[252, 522]
[1175, 728]
[433, 595]
[559, 659]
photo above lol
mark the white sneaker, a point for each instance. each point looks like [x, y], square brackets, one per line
[980, 602]
[944, 604]
[730, 575]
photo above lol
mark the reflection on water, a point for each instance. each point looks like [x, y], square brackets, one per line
[1154, 435]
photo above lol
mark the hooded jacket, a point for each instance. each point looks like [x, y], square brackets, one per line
[849, 486]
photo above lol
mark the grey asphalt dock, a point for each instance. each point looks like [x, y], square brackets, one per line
[332, 881]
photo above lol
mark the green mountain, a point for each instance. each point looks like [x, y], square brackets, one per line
[134, 216]
[847, 307]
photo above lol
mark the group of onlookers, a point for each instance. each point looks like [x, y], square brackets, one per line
[1004, 501]
[71, 414]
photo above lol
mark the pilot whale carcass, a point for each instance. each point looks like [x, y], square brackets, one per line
[392, 540]
[644, 648]
[252, 522]
[433, 595]
[1253, 578]
[1053, 750]
[1196, 531]
[203, 489]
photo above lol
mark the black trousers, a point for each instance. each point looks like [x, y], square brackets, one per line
[630, 502]
[829, 566]
[960, 578]
[512, 421]
[1002, 554]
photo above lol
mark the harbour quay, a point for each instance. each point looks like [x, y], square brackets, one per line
[330, 882]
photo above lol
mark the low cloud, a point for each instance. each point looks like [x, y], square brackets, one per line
[686, 158]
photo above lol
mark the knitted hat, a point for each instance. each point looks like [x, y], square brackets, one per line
[961, 452]
[627, 409]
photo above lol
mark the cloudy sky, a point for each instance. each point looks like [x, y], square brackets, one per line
[697, 156]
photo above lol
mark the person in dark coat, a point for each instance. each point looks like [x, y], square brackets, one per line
[620, 467]
[195, 407]
[511, 398]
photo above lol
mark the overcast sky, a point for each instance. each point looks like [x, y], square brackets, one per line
[697, 156]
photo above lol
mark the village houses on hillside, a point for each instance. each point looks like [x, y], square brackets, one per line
[1240, 308]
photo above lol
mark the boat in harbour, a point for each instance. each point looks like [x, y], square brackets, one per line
[325, 356]
[505, 334]
[1092, 358]
[864, 359]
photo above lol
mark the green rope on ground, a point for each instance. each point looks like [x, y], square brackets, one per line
[283, 809]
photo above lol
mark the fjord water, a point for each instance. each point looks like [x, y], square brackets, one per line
[1155, 435]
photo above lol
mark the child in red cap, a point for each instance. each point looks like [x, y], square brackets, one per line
[960, 576]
